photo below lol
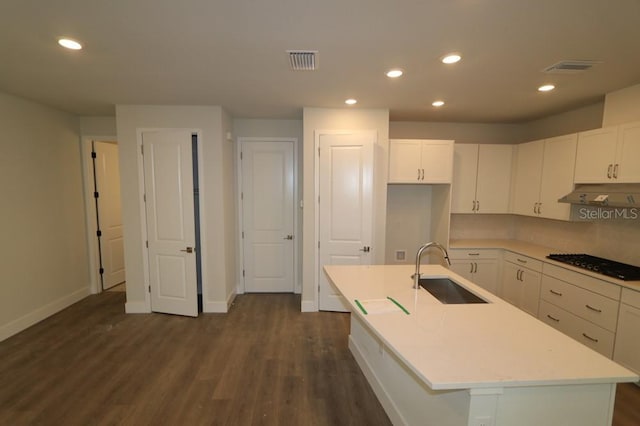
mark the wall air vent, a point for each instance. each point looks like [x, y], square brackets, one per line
[303, 60]
[570, 67]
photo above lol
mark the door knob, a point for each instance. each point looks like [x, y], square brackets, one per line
[188, 250]
[288, 237]
[366, 249]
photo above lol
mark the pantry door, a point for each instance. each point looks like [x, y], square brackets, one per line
[345, 207]
[168, 180]
[267, 202]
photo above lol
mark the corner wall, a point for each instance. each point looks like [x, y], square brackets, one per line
[42, 222]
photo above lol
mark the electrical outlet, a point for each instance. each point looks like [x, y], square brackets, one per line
[401, 255]
[483, 421]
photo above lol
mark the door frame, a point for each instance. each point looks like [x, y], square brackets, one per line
[297, 287]
[143, 209]
[91, 226]
[316, 205]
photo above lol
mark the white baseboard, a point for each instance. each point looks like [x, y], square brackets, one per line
[308, 306]
[219, 307]
[137, 308]
[43, 312]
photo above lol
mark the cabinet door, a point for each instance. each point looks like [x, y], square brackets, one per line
[404, 160]
[557, 176]
[627, 167]
[511, 285]
[530, 298]
[465, 170]
[464, 268]
[627, 347]
[528, 176]
[486, 275]
[596, 155]
[494, 178]
[437, 161]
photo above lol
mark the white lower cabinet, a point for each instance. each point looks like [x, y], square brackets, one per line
[481, 267]
[521, 278]
[580, 306]
[627, 348]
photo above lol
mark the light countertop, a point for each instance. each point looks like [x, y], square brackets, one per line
[537, 252]
[470, 345]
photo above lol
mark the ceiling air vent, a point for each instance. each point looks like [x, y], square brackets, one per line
[303, 60]
[570, 67]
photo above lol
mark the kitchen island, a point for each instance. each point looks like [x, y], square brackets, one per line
[477, 364]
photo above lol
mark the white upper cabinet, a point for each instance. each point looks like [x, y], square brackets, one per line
[544, 171]
[420, 161]
[609, 155]
[481, 178]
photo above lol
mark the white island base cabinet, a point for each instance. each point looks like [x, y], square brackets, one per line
[408, 400]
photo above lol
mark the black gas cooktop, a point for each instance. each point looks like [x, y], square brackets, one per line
[618, 270]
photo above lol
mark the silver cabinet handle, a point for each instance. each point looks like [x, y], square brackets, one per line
[471, 269]
[539, 208]
[552, 318]
[478, 205]
[615, 171]
[593, 309]
[475, 267]
[609, 171]
[422, 174]
[521, 260]
[366, 249]
[288, 237]
[473, 209]
[188, 250]
[590, 338]
[557, 293]
[418, 178]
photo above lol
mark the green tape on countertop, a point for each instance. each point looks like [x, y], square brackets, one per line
[398, 305]
[364, 311]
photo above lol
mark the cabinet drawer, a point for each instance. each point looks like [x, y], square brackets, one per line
[597, 338]
[593, 307]
[630, 297]
[595, 285]
[474, 254]
[524, 261]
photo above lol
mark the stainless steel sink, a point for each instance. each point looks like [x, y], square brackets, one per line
[448, 291]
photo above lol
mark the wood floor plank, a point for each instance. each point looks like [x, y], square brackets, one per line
[263, 363]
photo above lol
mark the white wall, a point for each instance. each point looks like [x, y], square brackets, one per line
[94, 126]
[577, 120]
[216, 191]
[340, 119]
[459, 132]
[622, 106]
[43, 251]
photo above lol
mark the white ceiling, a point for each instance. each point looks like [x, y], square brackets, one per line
[233, 53]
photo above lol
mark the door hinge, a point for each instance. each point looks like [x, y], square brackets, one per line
[318, 151]
[93, 154]
[243, 234]
[318, 244]
[242, 195]
[101, 270]
[149, 288]
[243, 272]
[144, 197]
[142, 149]
[241, 155]
[96, 194]
[99, 233]
[147, 243]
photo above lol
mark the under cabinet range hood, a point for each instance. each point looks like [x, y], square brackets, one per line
[606, 195]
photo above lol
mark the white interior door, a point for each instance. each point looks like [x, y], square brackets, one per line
[169, 204]
[107, 177]
[346, 207]
[268, 216]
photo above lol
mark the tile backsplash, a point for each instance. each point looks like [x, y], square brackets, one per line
[617, 240]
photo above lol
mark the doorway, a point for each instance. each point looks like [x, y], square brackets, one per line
[108, 217]
[267, 176]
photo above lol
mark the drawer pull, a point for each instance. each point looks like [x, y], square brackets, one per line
[521, 260]
[474, 254]
[590, 338]
[557, 293]
[593, 309]
[552, 318]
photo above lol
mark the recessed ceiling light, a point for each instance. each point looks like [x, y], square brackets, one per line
[351, 102]
[69, 44]
[437, 103]
[546, 88]
[451, 58]
[394, 73]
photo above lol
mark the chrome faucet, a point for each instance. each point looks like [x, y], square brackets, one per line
[416, 275]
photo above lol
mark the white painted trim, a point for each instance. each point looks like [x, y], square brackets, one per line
[90, 209]
[41, 313]
[136, 308]
[308, 306]
[297, 285]
[219, 307]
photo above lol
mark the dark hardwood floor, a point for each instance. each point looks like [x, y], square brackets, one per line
[264, 363]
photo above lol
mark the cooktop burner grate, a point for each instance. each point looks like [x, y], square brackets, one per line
[621, 271]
